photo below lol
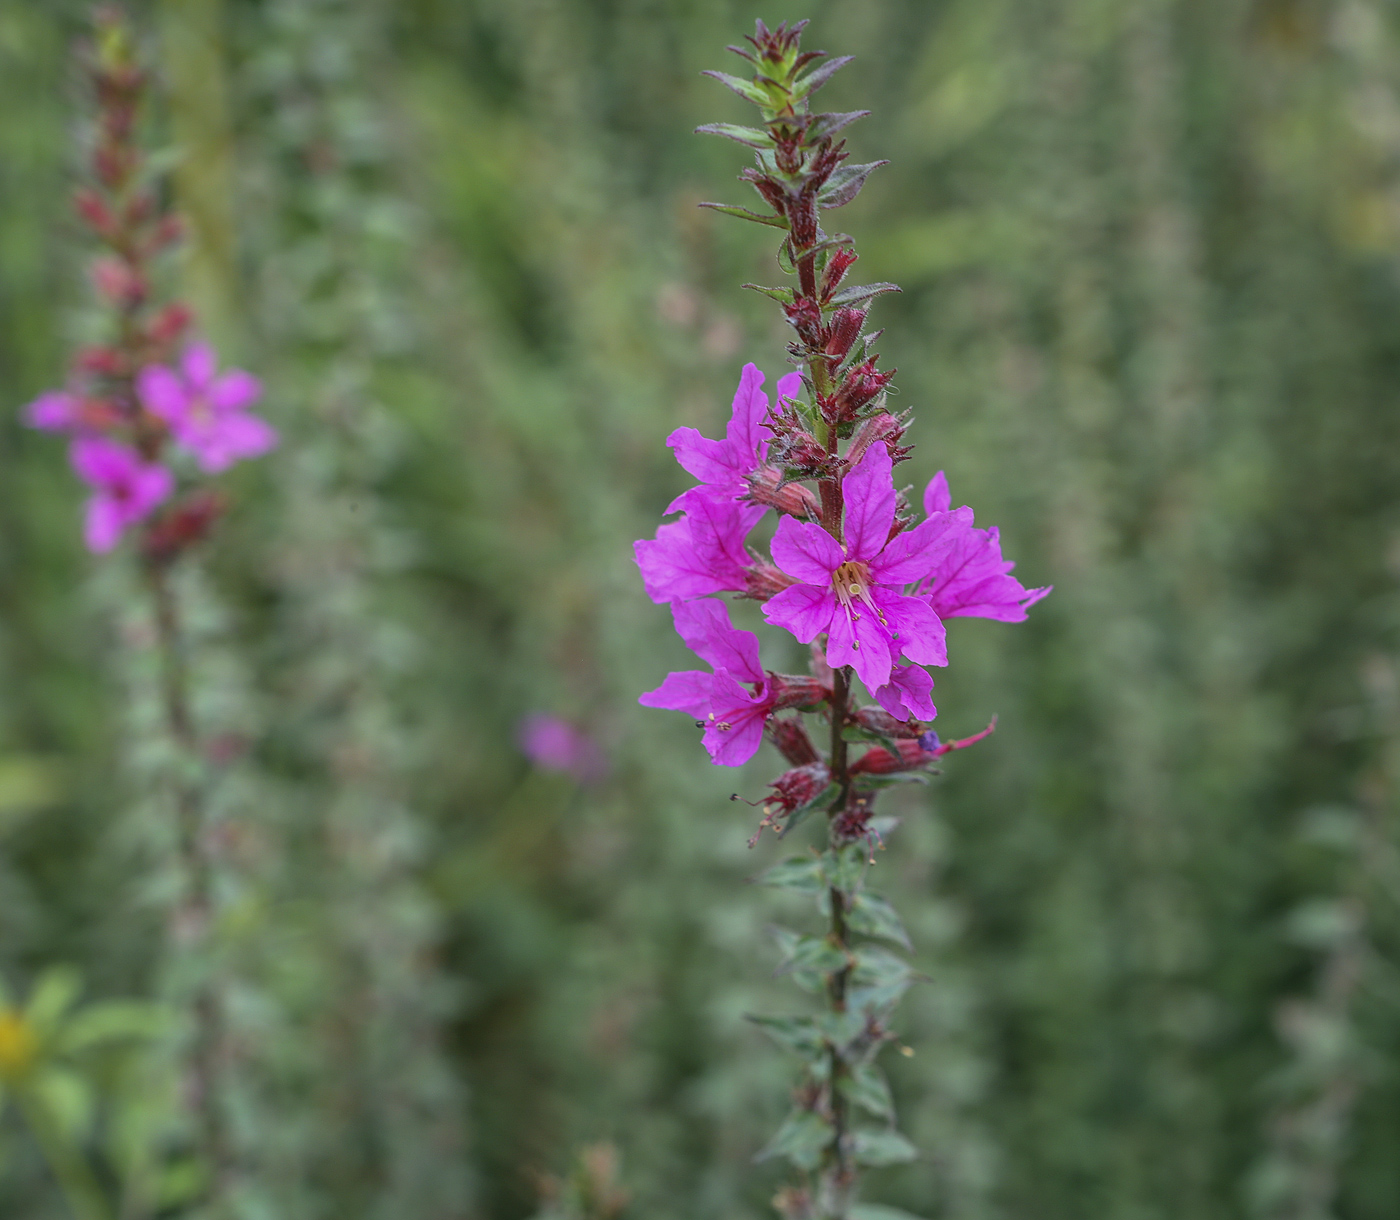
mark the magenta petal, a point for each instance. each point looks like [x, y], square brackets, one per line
[198, 365]
[806, 551]
[229, 439]
[734, 746]
[907, 694]
[789, 386]
[700, 456]
[937, 498]
[103, 463]
[234, 391]
[162, 393]
[686, 691]
[150, 486]
[915, 553]
[103, 524]
[918, 632]
[870, 500]
[744, 434]
[692, 557]
[705, 627]
[55, 411]
[805, 610]
[858, 640]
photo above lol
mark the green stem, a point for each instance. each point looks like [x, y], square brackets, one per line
[198, 907]
[70, 1169]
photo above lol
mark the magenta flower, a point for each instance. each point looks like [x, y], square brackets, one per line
[723, 466]
[970, 577]
[853, 592]
[207, 414]
[733, 717]
[702, 553]
[54, 411]
[64, 411]
[553, 744]
[125, 488]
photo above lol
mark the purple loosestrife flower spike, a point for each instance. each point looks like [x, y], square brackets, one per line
[852, 592]
[732, 716]
[971, 578]
[125, 488]
[207, 414]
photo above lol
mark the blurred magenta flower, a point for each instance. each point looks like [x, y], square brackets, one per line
[125, 488]
[207, 413]
[554, 744]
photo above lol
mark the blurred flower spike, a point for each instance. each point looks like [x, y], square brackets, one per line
[852, 572]
[554, 744]
[148, 391]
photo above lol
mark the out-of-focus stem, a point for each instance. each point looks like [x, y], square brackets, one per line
[193, 918]
[70, 1169]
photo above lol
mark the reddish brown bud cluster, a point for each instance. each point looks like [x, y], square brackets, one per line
[795, 788]
[879, 760]
[797, 690]
[877, 720]
[183, 524]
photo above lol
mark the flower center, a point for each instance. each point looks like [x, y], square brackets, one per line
[851, 584]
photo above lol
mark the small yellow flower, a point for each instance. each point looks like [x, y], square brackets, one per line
[18, 1045]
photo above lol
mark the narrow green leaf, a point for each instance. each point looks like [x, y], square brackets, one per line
[878, 980]
[874, 783]
[823, 125]
[113, 1020]
[51, 998]
[729, 209]
[861, 292]
[845, 184]
[877, 1148]
[799, 1034]
[754, 137]
[874, 916]
[868, 1089]
[745, 89]
[807, 85]
[813, 954]
[802, 1138]
[784, 296]
[802, 873]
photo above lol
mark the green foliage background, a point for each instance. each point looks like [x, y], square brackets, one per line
[1150, 327]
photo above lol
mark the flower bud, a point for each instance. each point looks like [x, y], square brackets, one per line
[877, 720]
[844, 330]
[880, 761]
[793, 743]
[91, 208]
[853, 822]
[793, 789]
[118, 282]
[766, 486]
[796, 690]
[837, 265]
[765, 580]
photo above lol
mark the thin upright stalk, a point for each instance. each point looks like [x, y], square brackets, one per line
[193, 917]
[71, 1171]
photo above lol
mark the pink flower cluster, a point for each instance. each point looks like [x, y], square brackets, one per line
[117, 445]
[870, 591]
